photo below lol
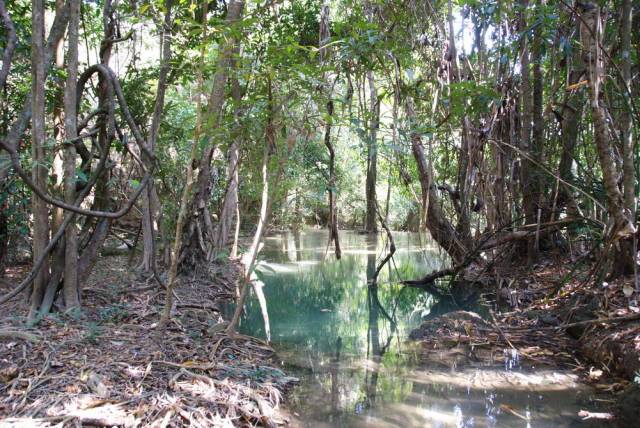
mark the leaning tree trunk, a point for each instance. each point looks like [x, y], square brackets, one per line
[620, 225]
[198, 229]
[438, 225]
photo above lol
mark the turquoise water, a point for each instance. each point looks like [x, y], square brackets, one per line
[344, 336]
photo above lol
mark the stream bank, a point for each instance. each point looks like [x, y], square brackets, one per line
[553, 316]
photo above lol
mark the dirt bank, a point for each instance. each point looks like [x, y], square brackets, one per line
[110, 366]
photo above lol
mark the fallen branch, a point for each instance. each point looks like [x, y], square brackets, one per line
[627, 318]
[485, 242]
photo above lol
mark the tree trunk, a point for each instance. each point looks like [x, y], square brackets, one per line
[527, 180]
[39, 170]
[536, 190]
[372, 156]
[95, 231]
[150, 198]
[70, 287]
[198, 228]
[621, 227]
[571, 116]
[186, 192]
[626, 131]
[228, 211]
[230, 202]
[438, 225]
[331, 185]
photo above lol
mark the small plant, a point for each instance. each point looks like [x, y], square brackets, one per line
[93, 332]
[114, 313]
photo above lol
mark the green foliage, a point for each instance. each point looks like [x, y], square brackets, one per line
[469, 97]
[92, 333]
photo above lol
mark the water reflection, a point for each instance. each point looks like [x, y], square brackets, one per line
[342, 332]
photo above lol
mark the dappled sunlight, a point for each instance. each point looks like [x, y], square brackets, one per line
[497, 379]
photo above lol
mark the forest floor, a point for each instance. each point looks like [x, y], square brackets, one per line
[111, 366]
[557, 317]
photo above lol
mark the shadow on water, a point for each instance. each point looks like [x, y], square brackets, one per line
[344, 335]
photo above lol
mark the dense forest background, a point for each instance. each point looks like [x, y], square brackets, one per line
[505, 129]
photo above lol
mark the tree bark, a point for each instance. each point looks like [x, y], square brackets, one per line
[198, 230]
[372, 156]
[230, 202]
[438, 225]
[186, 192]
[150, 197]
[249, 259]
[621, 227]
[70, 287]
[571, 116]
[536, 191]
[39, 170]
[527, 180]
[328, 87]
[626, 131]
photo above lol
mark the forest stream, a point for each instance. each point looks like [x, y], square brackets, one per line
[357, 368]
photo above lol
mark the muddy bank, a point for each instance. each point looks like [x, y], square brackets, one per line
[110, 365]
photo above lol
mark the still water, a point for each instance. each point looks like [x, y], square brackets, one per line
[345, 338]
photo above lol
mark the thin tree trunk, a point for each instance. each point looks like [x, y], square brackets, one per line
[629, 179]
[536, 191]
[186, 192]
[70, 287]
[372, 156]
[39, 170]
[98, 230]
[570, 127]
[249, 259]
[150, 197]
[230, 202]
[527, 182]
[333, 209]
